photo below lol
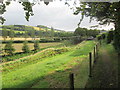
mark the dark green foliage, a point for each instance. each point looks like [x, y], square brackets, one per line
[99, 37]
[103, 36]
[28, 9]
[93, 33]
[9, 49]
[110, 36]
[36, 45]
[80, 31]
[77, 40]
[83, 33]
[117, 40]
[105, 13]
[86, 32]
[25, 47]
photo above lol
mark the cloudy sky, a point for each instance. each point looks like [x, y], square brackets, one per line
[56, 15]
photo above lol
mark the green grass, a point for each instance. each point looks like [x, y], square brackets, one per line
[52, 71]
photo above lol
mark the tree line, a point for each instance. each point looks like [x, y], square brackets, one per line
[84, 33]
[35, 34]
[9, 48]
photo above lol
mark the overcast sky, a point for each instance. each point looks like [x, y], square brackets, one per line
[56, 15]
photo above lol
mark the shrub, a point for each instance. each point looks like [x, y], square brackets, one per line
[36, 45]
[99, 37]
[110, 36]
[25, 47]
[9, 49]
[103, 36]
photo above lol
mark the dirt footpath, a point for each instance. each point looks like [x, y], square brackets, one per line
[105, 72]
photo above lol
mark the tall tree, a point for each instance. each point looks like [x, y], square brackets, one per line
[105, 13]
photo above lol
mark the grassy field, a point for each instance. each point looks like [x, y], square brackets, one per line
[18, 46]
[52, 72]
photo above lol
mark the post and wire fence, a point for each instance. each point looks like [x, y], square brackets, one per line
[93, 56]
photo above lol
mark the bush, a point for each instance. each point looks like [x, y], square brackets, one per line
[103, 36]
[110, 36]
[9, 49]
[25, 47]
[36, 45]
[99, 37]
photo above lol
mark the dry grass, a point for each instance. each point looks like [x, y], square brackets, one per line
[17, 39]
[18, 46]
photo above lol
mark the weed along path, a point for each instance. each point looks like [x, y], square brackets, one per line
[105, 74]
[52, 71]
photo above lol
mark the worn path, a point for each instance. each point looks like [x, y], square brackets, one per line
[105, 70]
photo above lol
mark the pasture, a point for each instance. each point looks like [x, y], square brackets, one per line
[52, 71]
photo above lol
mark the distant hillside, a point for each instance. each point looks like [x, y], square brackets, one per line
[32, 31]
[22, 28]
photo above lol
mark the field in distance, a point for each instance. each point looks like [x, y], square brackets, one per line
[18, 46]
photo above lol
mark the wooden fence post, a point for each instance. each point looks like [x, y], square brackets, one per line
[90, 64]
[96, 50]
[94, 54]
[71, 76]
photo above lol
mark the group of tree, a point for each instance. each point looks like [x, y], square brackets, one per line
[105, 13]
[86, 32]
[9, 48]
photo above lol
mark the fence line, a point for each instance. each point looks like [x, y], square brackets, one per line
[95, 53]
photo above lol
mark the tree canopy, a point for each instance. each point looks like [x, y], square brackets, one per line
[104, 13]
